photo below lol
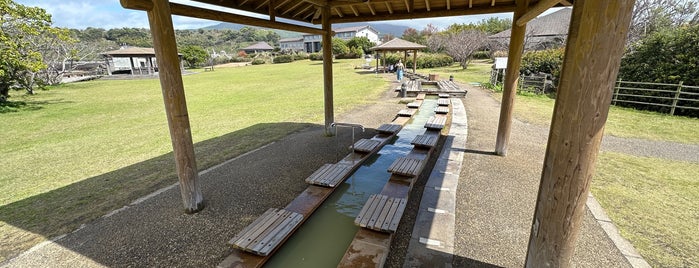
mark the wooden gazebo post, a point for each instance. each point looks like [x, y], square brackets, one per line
[327, 68]
[593, 52]
[166, 56]
[415, 61]
[511, 76]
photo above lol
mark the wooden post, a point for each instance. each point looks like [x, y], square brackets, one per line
[514, 59]
[132, 66]
[677, 98]
[415, 61]
[616, 92]
[175, 104]
[593, 53]
[327, 69]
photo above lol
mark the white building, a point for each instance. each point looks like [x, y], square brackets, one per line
[312, 43]
[291, 44]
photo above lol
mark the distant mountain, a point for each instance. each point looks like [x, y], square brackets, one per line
[383, 28]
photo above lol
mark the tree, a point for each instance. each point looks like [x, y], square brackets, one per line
[194, 55]
[19, 59]
[650, 16]
[461, 45]
[361, 42]
[339, 46]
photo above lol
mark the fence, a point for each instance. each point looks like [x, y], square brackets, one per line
[661, 97]
[537, 84]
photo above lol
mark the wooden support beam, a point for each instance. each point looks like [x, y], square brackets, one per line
[242, 2]
[272, 11]
[427, 5]
[514, 59]
[302, 10]
[339, 12]
[160, 20]
[536, 10]
[595, 44]
[448, 4]
[388, 6]
[470, 3]
[371, 8]
[281, 4]
[201, 13]
[492, 3]
[262, 4]
[354, 10]
[414, 61]
[431, 14]
[407, 5]
[292, 7]
[327, 69]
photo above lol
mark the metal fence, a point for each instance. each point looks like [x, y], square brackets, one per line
[667, 98]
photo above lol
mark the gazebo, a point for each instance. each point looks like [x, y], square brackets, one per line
[595, 43]
[397, 44]
[257, 47]
[133, 59]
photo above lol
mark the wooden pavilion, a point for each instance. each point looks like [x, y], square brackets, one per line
[136, 60]
[397, 44]
[595, 43]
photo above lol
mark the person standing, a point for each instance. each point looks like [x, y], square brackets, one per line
[399, 70]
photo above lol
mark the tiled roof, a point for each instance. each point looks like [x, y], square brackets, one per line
[259, 46]
[555, 23]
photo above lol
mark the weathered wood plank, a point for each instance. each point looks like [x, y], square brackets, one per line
[443, 95]
[398, 215]
[420, 96]
[391, 214]
[254, 224]
[381, 213]
[424, 141]
[328, 175]
[250, 235]
[377, 211]
[282, 230]
[443, 102]
[389, 128]
[413, 105]
[441, 110]
[366, 145]
[407, 112]
[267, 231]
[405, 166]
[436, 122]
[363, 212]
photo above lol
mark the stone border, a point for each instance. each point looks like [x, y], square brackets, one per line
[626, 249]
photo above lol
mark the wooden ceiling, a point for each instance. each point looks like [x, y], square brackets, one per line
[370, 10]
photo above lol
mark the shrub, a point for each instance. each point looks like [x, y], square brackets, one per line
[543, 61]
[424, 60]
[300, 56]
[481, 55]
[316, 56]
[258, 61]
[242, 54]
[283, 59]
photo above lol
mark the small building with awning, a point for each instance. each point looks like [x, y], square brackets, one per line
[132, 60]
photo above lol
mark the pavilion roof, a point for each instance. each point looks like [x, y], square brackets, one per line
[131, 51]
[259, 46]
[398, 44]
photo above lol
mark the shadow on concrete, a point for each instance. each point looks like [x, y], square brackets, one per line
[156, 232]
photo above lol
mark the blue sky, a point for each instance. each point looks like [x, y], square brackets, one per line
[109, 14]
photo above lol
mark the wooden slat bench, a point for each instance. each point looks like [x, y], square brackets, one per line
[264, 234]
[443, 102]
[329, 175]
[427, 141]
[414, 105]
[381, 213]
[443, 95]
[406, 166]
[442, 110]
[420, 96]
[436, 122]
[407, 112]
[365, 145]
[388, 128]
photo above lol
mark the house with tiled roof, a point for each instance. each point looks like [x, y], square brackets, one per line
[291, 44]
[257, 48]
[312, 42]
[543, 32]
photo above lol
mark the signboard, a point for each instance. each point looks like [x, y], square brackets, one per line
[500, 62]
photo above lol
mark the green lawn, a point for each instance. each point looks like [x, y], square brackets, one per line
[654, 204]
[478, 71]
[78, 151]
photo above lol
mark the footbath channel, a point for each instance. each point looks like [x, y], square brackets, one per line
[323, 239]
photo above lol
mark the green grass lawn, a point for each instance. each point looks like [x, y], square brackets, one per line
[78, 151]
[478, 71]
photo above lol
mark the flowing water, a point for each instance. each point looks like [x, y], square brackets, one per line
[322, 240]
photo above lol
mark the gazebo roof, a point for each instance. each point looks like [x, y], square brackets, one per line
[554, 24]
[259, 46]
[398, 44]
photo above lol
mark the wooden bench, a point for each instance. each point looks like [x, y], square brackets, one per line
[407, 112]
[427, 141]
[406, 166]
[206, 69]
[365, 145]
[441, 110]
[443, 95]
[381, 213]
[388, 128]
[436, 122]
[329, 175]
[264, 234]
[443, 102]
[420, 96]
[413, 105]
